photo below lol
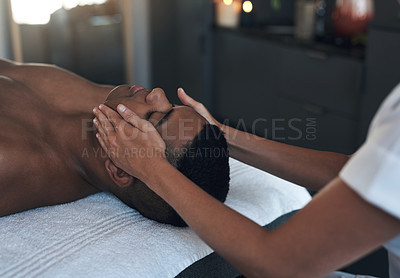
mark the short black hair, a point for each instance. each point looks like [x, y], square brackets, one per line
[204, 160]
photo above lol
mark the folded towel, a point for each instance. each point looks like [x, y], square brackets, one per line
[101, 237]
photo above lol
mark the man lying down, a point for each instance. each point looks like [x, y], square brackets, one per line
[49, 154]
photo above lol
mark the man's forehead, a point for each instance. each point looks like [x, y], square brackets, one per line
[182, 126]
[186, 115]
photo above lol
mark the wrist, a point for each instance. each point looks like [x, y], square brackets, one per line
[229, 133]
[159, 169]
[222, 127]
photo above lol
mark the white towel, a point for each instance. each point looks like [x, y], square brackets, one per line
[101, 237]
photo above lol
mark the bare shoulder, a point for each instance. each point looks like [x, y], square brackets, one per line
[5, 65]
[60, 87]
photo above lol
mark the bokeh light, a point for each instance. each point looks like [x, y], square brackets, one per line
[39, 11]
[247, 6]
[228, 2]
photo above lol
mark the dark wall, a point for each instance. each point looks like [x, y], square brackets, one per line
[164, 49]
[178, 30]
[35, 43]
[89, 42]
[386, 9]
[191, 45]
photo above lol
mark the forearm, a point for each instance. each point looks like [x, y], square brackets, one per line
[256, 252]
[229, 233]
[309, 168]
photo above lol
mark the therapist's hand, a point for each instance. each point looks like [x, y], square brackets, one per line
[198, 107]
[133, 144]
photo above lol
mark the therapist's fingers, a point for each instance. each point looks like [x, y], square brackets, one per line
[108, 149]
[102, 143]
[105, 127]
[132, 118]
[102, 134]
[187, 100]
[197, 106]
[103, 120]
[112, 116]
[99, 127]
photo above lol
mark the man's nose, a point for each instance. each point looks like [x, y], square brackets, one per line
[158, 98]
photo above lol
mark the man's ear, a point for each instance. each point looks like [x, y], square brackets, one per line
[119, 177]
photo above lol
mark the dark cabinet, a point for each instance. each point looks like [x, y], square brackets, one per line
[311, 126]
[382, 69]
[333, 82]
[286, 93]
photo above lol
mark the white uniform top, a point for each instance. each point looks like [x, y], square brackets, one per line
[374, 170]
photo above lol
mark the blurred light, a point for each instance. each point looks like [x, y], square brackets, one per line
[228, 2]
[69, 4]
[247, 6]
[104, 20]
[39, 11]
[34, 12]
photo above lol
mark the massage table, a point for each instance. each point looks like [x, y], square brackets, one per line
[99, 236]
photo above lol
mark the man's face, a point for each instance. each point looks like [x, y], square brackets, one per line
[176, 124]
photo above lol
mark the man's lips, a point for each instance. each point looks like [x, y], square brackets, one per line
[135, 89]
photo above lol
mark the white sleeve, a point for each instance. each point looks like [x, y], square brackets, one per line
[374, 170]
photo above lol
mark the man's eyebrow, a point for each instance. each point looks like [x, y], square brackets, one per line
[165, 118]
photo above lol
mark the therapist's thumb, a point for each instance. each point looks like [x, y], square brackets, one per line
[187, 100]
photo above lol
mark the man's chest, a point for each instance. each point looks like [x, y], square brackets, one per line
[35, 169]
[34, 178]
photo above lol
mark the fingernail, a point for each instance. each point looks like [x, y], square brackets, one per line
[97, 135]
[101, 106]
[94, 110]
[121, 108]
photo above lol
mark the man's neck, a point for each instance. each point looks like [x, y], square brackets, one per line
[84, 151]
